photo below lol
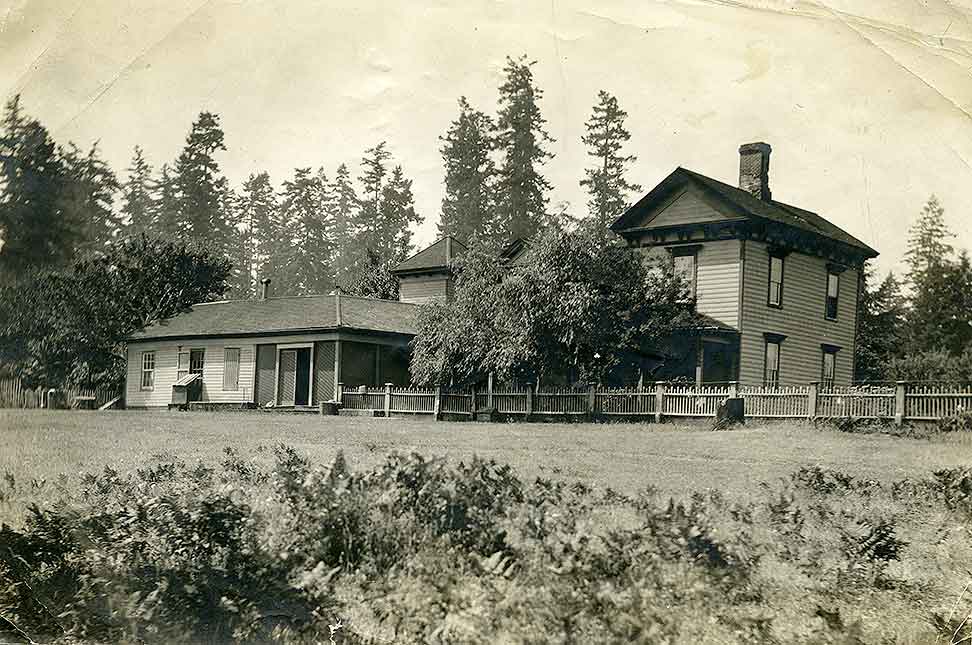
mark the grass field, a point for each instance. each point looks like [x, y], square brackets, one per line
[815, 556]
[675, 459]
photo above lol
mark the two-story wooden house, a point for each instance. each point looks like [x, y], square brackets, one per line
[778, 285]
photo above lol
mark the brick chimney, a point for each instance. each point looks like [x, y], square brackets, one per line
[754, 169]
[264, 288]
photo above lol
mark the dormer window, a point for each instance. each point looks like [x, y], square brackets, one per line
[685, 266]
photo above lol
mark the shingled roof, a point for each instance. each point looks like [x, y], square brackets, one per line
[436, 256]
[745, 204]
[298, 314]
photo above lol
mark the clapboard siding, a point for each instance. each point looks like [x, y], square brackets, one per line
[687, 207]
[801, 319]
[717, 278]
[422, 289]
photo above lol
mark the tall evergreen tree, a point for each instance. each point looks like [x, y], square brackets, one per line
[927, 242]
[521, 189]
[201, 188]
[343, 211]
[166, 206]
[880, 327]
[304, 267]
[605, 182]
[256, 210]
[89, 198]
[138, 204]
[467, 208]
[397, 216]
[35, 229]
[374, 172]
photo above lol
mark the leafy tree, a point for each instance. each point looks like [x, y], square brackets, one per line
[605, 182]
[342, 207]
[200, 188]
[467, 208]
[89, 196]
[34, 226]
[569, 310]
[69, 328]
[880, 328]
[521, 189]
[138, 202]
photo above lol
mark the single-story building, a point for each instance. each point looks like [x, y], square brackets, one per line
[281, 352]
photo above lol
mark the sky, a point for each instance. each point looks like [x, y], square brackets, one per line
[866, 103]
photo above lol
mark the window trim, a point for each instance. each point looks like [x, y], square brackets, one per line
[688, 250]
[239, 356]
[143, 371]
[836, 276]
[775, 255]
[828, 350]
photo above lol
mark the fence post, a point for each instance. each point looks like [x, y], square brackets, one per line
[733, 389]
[659, 400]
[812, 399]
[388, 387]
[899, 401]
[472, 408]
[529, 401]
[340, 393]
[489, 391]
[437, 405]
[591, 399]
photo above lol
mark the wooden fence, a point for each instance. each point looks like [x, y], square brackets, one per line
[14, 395]
[898, 402]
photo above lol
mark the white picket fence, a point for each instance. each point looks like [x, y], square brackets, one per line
[899, 402]
[14, 395]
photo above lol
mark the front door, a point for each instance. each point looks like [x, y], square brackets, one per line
[293, 384]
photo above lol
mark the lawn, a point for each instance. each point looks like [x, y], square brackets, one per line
[675, 459]
[853, 540]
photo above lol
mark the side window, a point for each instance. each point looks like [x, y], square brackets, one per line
[772, 358]
[828, 369]
[775, 296]
[183, 368]
[148, 371]
[833, 290]
[197, 359]
[231, 369]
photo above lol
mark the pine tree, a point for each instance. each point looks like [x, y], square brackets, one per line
[374, 171]
[605, 182]
[397, 216]
[927, 246]
[166, 206]
[89, 198]
[256, 209]
[342, 208]
[200, 185]
[880, 328]
[521, 189]
[304, 268]
[138, 205]
[34, 230]
[467, 208]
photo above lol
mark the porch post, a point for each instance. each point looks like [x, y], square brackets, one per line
[337, 369]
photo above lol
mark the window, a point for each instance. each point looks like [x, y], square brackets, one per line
[231, 369]
[828, 368]
[775, 298]
[196, 361]
[771, 365]
[833, 288]
[148, 371]
[684, 266]
[183, 368]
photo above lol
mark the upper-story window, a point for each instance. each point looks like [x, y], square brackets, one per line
[685, 266]
[775, 296]
[833, 289]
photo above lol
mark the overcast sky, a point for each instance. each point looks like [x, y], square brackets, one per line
[866, 102]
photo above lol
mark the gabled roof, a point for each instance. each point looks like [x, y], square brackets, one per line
[298, 314]
[436, 256]
[742, 203]
[516, 252]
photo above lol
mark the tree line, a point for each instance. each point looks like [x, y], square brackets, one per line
[317, 231]
[919, 326]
